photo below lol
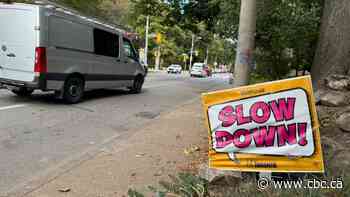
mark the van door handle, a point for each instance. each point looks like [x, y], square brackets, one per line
[11, 55]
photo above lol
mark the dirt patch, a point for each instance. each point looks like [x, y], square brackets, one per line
[146, 158]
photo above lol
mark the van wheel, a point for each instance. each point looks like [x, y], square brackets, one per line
[73, 90]
[137, 86]
[23, 91]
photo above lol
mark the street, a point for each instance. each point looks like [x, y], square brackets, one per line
[41, 134]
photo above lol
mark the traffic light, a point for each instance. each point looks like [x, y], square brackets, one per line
[158, 38]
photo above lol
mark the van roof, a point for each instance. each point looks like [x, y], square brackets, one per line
[67, 11]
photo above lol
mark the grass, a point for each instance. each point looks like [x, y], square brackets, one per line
[255, 78]
[189, 185]
[184, 184]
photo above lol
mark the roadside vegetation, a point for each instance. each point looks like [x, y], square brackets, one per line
[286, 38]
[292, 35]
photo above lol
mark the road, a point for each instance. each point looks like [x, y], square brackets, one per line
[39, 133]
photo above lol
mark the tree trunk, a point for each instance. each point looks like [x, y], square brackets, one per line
[246, 42]
[333, 50]
[157, 67]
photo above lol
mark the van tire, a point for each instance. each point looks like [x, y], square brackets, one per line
[137, 85]
[73, 91]
[23, 91]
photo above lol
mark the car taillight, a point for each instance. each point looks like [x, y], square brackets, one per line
[40, 60]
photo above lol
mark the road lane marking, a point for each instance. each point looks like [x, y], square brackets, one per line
[12, 107]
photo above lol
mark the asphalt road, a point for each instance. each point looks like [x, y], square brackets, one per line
[40, 132]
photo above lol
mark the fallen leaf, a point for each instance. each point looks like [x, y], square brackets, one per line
[191, 150]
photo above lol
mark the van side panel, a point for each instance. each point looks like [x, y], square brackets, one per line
[69, 50]
[18, 40]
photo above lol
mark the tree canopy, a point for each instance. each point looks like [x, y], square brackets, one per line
[287, 30]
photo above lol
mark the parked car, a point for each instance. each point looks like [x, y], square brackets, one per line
[174, 68]
[200, 70]
[55, 50]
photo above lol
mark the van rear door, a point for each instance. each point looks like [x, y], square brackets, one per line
[18, 39]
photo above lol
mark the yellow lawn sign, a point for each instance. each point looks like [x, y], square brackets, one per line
[268, 127]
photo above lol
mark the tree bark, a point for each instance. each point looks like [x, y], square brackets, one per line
[157, 67]
[333, 50]
[246, 42]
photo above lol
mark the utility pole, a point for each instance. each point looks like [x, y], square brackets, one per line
[191, 56]
[246, 42]
[184, 55]
[146, 42]
[158, 55]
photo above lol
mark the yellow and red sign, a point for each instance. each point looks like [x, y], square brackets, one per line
[271, 127]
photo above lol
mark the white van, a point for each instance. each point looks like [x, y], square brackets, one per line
[54, 50]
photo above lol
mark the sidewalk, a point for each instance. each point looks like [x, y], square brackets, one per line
[151, 154]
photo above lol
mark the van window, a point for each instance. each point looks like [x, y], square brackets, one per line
[106, 43]
[128, 49]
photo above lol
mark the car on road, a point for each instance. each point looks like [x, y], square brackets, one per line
[174, 68]
[52, 49]
[200, 70]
